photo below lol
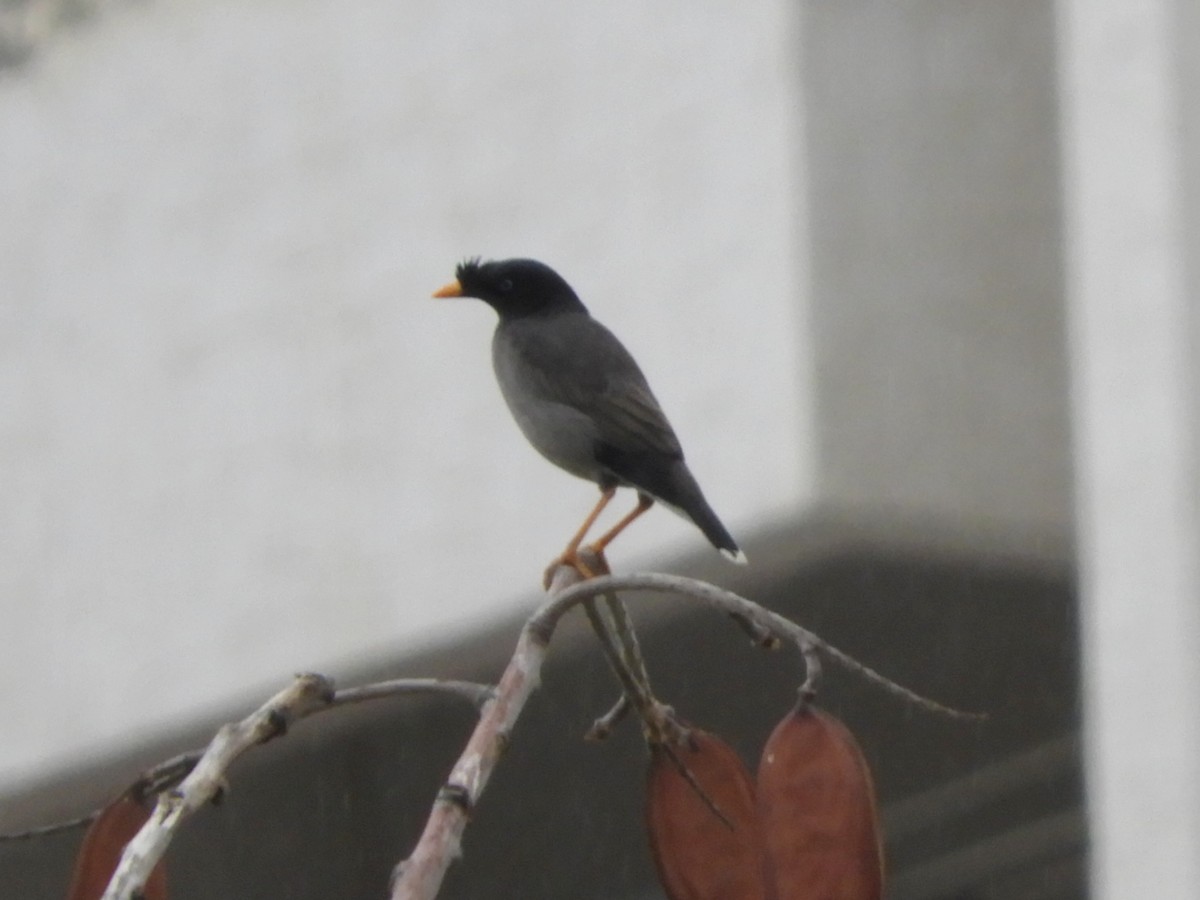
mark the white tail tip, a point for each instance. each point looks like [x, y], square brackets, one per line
[739, 557]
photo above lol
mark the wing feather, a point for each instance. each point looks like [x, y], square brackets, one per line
[581, 364]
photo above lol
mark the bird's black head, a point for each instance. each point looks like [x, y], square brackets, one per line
[513, 287]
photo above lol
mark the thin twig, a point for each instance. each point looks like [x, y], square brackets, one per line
[164, 775]
[631, 650]
[619, 644]
[610, 646]
[303, 696]
[170, 772]
[473, 692]
[619, 641]
[660, 728]
[761, 637]
[729, 602]
[420, 876]
[604, 725]
[690, 777]
[54, 828]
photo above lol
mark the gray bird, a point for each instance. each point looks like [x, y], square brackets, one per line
[580, 398]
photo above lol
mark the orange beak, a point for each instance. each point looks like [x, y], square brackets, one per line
[453, 289]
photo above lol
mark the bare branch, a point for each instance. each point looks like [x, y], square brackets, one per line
[167, 774]
[471, 691]
[619, 642]
[305, 695]
[420, 876]
[164, 775]
[740, 608]
[205, 774]
[55, 828]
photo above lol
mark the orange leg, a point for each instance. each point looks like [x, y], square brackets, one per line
[643, 504]
[570, 556]
[573, 545]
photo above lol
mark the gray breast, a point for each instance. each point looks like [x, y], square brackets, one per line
[525, 356]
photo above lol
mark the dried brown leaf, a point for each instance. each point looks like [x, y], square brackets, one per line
[816, 803]
[102, 847]
[700, 855]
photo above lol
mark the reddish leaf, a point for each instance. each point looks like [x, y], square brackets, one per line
[699, 856]
[102, 847]
[817, 808]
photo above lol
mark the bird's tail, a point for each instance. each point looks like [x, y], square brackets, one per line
[688, 500]
[718, 535]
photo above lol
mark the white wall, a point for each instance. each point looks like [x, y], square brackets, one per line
[238, 439]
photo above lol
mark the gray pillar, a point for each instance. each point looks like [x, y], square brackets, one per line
[934, 217]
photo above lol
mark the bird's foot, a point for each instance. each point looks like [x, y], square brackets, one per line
[588, 562]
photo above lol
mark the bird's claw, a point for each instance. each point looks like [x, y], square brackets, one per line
[589, 563]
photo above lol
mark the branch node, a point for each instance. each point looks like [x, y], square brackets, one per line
[759, 634]
[541, 629]
[398, 872]
[456, 795]
[277, 723]
[503, 742]
[604, 725]
[661, 726]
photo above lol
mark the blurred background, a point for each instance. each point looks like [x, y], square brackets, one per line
[917, 284]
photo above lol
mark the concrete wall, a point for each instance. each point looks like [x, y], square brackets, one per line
[237, 437]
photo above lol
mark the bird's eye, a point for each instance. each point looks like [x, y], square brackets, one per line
[505, 285]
